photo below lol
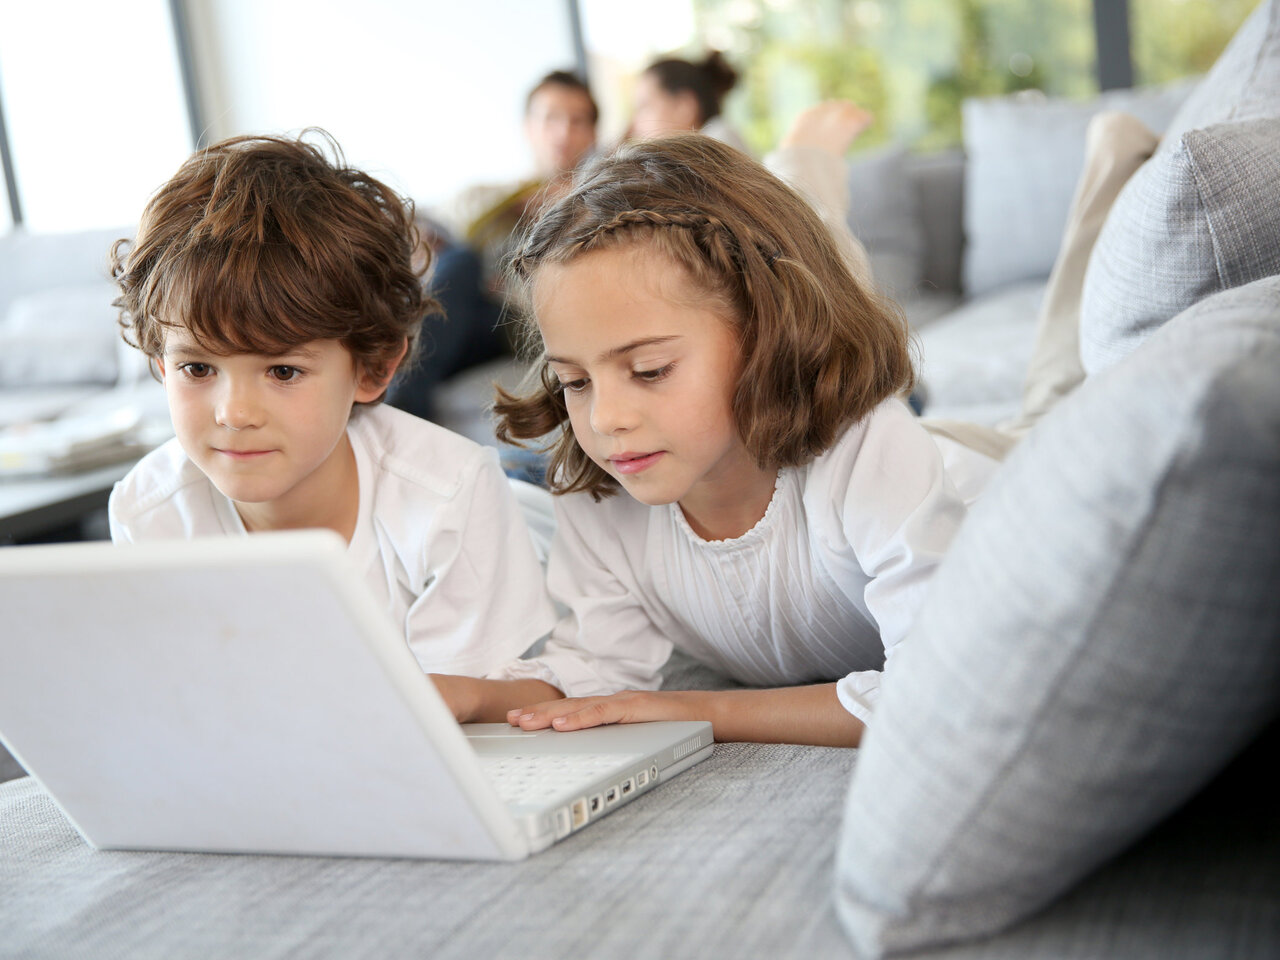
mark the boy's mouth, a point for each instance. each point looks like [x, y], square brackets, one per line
[242, 454]
[629, 463]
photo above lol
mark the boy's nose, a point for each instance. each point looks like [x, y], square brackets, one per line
[237, 409]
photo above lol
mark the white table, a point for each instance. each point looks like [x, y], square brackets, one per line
[33, 505]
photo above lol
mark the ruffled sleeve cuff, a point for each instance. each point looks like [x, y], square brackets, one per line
[859, 692]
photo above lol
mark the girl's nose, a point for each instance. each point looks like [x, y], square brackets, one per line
[611, 412]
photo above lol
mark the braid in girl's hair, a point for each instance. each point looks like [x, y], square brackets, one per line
[819, 351]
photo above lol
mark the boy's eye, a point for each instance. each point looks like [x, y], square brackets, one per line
[285, 373]
[196, 371]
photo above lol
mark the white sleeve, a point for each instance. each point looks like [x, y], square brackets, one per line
[607, 641]
[485, 601]
[120, 533]
[821, 178]
[899, 511]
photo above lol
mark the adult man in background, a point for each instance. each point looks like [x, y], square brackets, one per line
[470, 235]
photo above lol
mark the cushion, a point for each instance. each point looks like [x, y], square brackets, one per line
[974, 359]
[1025, 153]
[1159, 252]
[882, 214]
[66, 335]
[1197, 219]
[1102, 638]
[1117, 144]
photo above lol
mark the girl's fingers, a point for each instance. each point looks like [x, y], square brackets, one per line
[594, 714]
[540, 715]
[582, 712]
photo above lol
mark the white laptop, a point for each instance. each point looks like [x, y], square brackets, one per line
[249, 695]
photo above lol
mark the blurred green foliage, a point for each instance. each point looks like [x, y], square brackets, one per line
[914, 62]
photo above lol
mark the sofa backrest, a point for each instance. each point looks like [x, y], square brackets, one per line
[937, 180]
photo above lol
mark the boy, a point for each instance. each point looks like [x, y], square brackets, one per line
[276, 293]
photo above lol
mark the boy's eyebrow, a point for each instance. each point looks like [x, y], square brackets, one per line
[620, 350]
[191, 347]
[304, 352]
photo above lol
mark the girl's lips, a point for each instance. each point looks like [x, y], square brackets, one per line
[634, 463]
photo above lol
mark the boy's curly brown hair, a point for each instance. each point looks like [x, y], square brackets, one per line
[819, 350]
[261, 244]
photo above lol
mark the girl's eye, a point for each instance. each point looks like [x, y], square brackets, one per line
[285, 373]
[196, 371]
[574, 386]
[654, 376]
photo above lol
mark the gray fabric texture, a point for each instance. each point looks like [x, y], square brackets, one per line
[737, 851]
[684, 874]
[1192, 221]
[973, 361]
[1102, 638]
[882, 214]
[1024, 157]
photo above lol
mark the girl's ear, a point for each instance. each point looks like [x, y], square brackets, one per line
[370, 388]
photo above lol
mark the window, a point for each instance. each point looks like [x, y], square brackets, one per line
[428, 96]
[95, 111]
[911, 62]
[1175, 38]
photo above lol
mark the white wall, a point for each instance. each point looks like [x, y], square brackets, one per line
[426, 94]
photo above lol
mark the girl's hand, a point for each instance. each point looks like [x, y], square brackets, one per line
[808, 714]
[630, 706]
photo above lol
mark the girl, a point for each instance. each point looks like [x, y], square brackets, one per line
[736, 473]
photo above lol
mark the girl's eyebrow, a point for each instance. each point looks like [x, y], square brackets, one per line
[620, 350]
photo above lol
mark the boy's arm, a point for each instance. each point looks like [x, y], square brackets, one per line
[809, 714]
[477, 700]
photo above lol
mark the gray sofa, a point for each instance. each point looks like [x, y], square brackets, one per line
[1074, 754]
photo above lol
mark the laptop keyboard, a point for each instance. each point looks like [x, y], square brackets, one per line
[539, 778]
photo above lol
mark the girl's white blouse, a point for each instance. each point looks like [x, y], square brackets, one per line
[822, 588]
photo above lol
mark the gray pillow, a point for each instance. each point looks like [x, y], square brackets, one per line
[1024, 154]
[1157, 253]
[61, 336]
[882, 214]
[1102, 638]
[1193, 220]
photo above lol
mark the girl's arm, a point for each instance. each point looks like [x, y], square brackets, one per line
[809, 714]
[479, 700]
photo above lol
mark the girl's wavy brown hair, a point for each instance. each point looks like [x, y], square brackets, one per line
[261, 244]
[819, 350]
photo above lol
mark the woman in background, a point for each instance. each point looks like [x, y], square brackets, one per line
[674, 96]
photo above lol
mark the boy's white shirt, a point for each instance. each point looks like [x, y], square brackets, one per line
[439, 537]
[824, 587]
